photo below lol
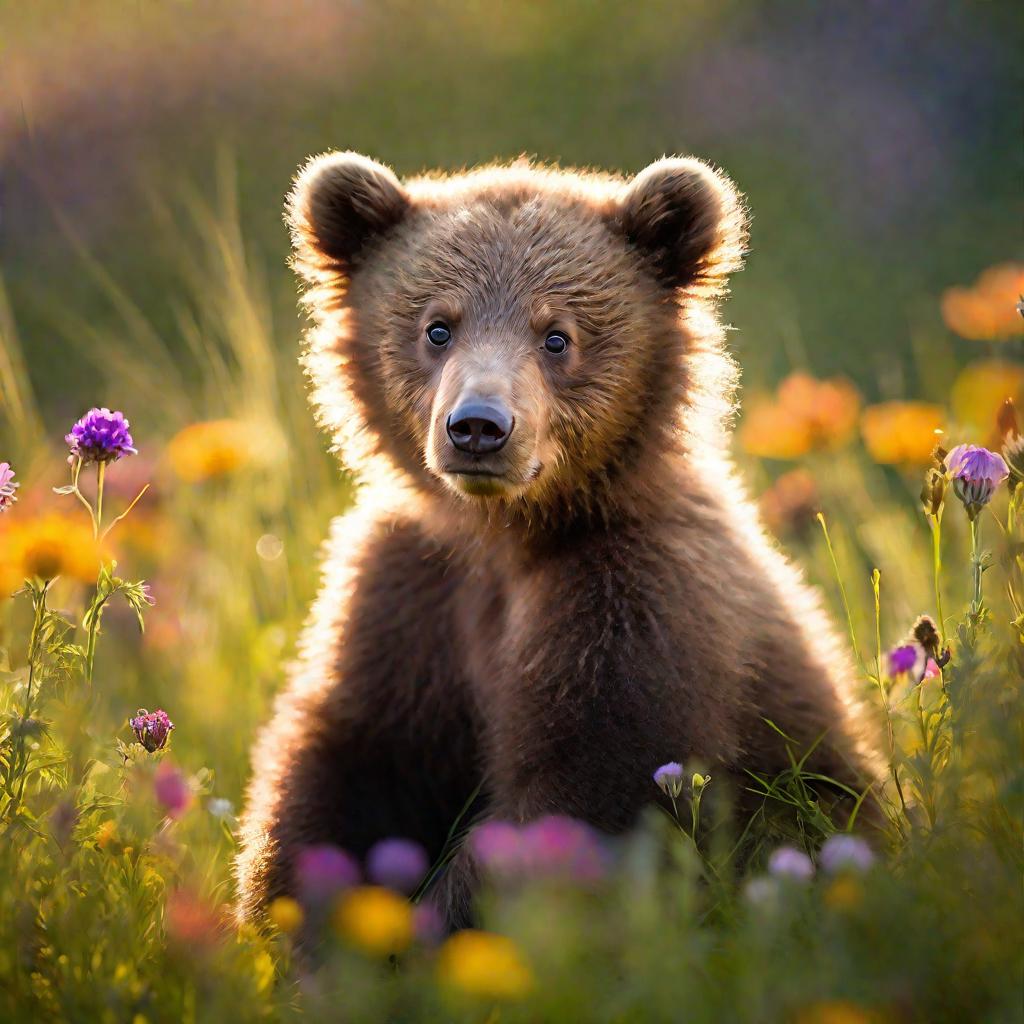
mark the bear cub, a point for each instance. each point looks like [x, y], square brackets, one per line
[552, 581]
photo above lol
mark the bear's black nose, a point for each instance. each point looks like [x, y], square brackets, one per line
[479, 428]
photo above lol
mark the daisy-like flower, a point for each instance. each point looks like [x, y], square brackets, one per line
[100, 436]
[7, 487]
[151, 728]
[976, 473]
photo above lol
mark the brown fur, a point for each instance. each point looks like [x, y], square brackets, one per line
[606, 603]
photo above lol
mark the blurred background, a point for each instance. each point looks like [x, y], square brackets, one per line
[145, 149]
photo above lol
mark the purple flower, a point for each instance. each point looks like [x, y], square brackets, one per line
[427, 923]
[151, 728]
[100, 436]
[902, 659]
[976, 473]
[557, 845]
[844, 852]
[669, 777]
[789, 862]
[172, 789]
[7, 487]
[323, 870]
[399, 864]
[498, 846]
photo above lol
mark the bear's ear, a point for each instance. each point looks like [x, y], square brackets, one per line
[687, 219]
[340, 202]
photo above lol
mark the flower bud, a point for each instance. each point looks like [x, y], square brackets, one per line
[933, 492]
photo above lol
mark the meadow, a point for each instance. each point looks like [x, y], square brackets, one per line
[146, 275]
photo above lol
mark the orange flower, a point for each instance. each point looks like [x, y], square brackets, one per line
[45, 547]
[978, 394]
[807, 415]
[213, 448]
[789, 505]
[901, 433]
[987, 310]
[835, 1012]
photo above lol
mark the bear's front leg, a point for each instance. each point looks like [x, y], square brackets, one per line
[375, 737]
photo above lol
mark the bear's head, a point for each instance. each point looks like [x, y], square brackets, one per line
[518, 336]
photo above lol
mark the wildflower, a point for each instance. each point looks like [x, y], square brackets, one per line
[52, 545]
[761, 892]
[323, 870]
[558, 845]
[106, 834]
[397, 863]
[222, 808]
[979, 392]
[845, 893]
[932, 669]
[375, 919]
[791, 503]
[285, 914]
[789, 862]
[214, 448]
[1013, 456]
[926, 633]
[901, 433]
[100, 436]
[427, 923]
[986, 311]
[172, 789]
[669, 777]
[191, 921]
[483, 964]
[7, 487]
[976, 473]
[807, 415]
[902, 659]
[843, 852]
[152, 728]
[498, 846]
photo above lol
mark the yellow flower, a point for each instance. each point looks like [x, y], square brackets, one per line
[52, 545]
[844, 893]
[806, 415]
[835, 1012]
[484, 964]
[213, 448]
[106, 834]
[286, 914]
[979, 392]
[375, 919]
[987, 310]
[901, 433]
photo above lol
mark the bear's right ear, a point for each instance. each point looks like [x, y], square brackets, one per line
[340, 202]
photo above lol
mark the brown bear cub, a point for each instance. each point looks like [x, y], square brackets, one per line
[552, 582]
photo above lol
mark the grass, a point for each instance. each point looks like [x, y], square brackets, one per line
[114, 906]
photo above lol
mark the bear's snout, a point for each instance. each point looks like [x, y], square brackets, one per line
[480, 428]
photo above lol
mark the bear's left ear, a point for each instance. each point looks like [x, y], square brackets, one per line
[340, 202]
[686, 218]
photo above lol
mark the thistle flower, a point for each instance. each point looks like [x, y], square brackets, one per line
[976, 473]
[789, 862]
[7, 487]
[843, 852]
[100, 436]
[152, 728]
[669, 778]
[399, 864]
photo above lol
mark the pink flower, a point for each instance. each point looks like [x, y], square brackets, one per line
[498, 846]
[7, 487]
[399, 864]
[427, 923]
[552, 846]
[172, 789]
[151, 728]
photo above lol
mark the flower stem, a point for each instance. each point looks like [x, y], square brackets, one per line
[976, 568]
[935, 522]
[39, 602]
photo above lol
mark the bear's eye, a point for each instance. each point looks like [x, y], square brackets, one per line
[556, 343]
[439, 334]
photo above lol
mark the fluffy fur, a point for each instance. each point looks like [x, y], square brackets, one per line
[605, 600]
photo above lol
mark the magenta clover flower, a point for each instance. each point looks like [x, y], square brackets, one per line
[7, 487]
[791, 863]
[172, 789]
[323, 870]
[399, 864]
[100, 436]
[976, 473]
[669, 778]
[151, 728]
[843, 852]
[552, 846]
